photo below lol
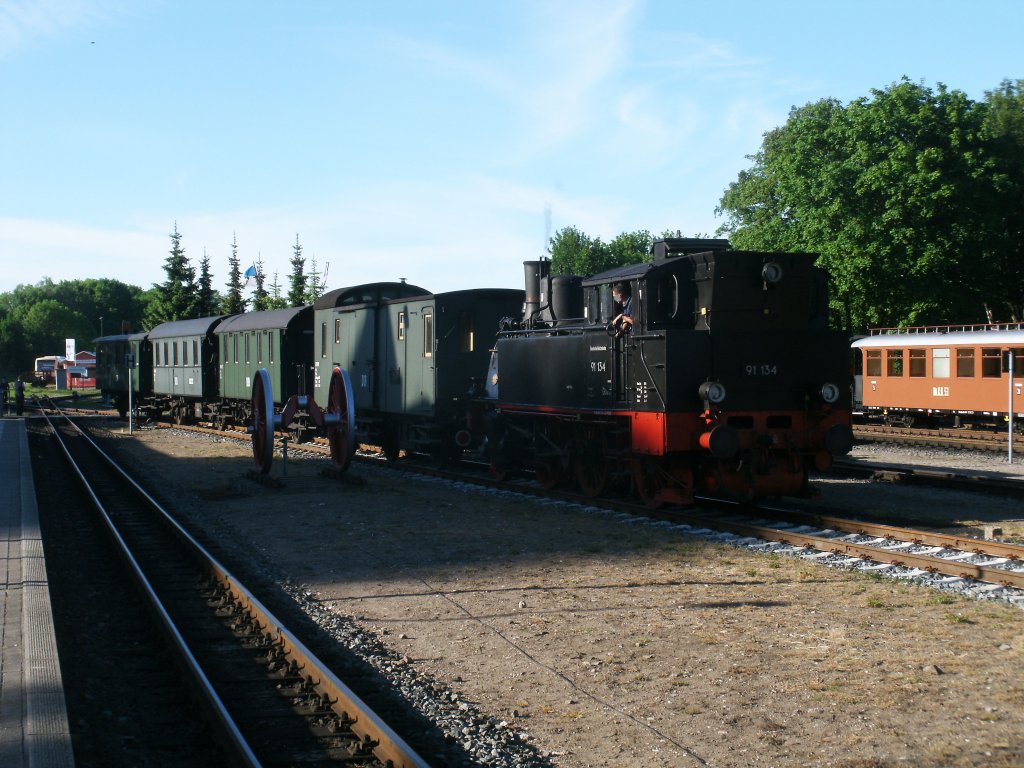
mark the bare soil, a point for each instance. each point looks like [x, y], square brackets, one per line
[614, 643]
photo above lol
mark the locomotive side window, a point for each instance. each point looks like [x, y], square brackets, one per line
[428, 334]
[666, 299]
[940, 363]
[874, 363]
[991, 363]
[466, 331]
[918, 362]
[894, 362]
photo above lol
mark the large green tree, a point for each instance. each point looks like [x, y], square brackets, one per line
[573, 252]
[177, 294]
[906, 195]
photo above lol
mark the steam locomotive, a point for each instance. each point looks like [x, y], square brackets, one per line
[724, 378]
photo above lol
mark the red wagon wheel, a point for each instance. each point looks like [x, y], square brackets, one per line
[342, 435]
[262, 421]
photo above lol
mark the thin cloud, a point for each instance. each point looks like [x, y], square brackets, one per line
[23, 22]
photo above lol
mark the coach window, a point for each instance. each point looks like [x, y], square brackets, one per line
[195, 351]
[337, 330]
[428, 334]
[259, 347]
[467, 322]
[918, 363]
[234, 336]
[174, 351]
[156, 355]
[401, 326]
[271, 338]
[940, 363]
[991, 364]
[894, 362]
[874, 362]
[323, 339]
[184, 353]
[246, 335]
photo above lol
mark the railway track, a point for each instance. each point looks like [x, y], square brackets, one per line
[846, 541]
[272, 701]
[977, 440]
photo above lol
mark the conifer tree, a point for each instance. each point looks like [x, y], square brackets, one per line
[315, 285]
[297, 292]
[207, 299]
[260, 297]
[234, 302]
[176, 296]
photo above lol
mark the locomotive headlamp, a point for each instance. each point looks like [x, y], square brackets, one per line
[712, 391]
[771, 272]
[829, 392]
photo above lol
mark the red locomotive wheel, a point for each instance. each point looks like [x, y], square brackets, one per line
[341, 436]
[262, 421]
[592, 474]
[549, 474]
[649, 480]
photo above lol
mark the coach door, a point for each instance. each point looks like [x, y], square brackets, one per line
[355, 352]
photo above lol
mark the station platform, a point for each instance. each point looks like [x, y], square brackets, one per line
[33, 717]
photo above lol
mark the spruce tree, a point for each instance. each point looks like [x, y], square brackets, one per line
[297, 292]
[177, 294]
[234, 302]
[315, 285]
[260, 297]
[207, 299]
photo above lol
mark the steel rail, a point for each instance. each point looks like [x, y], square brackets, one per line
[343, 701]
[949, 541]
[978, 572]
[229, 728]
[875, 553]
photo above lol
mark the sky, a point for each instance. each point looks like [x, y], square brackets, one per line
[440, 142]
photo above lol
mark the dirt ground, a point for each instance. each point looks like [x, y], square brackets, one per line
[616, 643]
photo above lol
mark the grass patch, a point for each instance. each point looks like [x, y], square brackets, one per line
[959, 618]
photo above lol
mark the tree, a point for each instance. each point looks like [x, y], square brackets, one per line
[276, 300]
[207, 299]
[903, 195]
[315, 284]
[177, 294]
[260, 297]
[297, 292]
[234, 302]
[48, 323]
[575, 253]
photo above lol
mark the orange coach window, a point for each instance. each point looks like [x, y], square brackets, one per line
[940, 363]
[918, 363]
[874, 362]
[991, 363]
[894, 362]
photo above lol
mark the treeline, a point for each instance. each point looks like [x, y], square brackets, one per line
[36, 319]
[187, 293]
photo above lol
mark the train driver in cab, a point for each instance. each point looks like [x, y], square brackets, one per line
[623, 322]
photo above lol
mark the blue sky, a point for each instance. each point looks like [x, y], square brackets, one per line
[422, 140]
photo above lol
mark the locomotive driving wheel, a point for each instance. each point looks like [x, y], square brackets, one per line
[262, 421]
[342, 435]
[549, 474]
[591, 471]
[649, 480]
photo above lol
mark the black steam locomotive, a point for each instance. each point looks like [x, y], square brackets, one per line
[726, 380]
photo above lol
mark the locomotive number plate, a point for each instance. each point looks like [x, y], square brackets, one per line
[761, 369]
